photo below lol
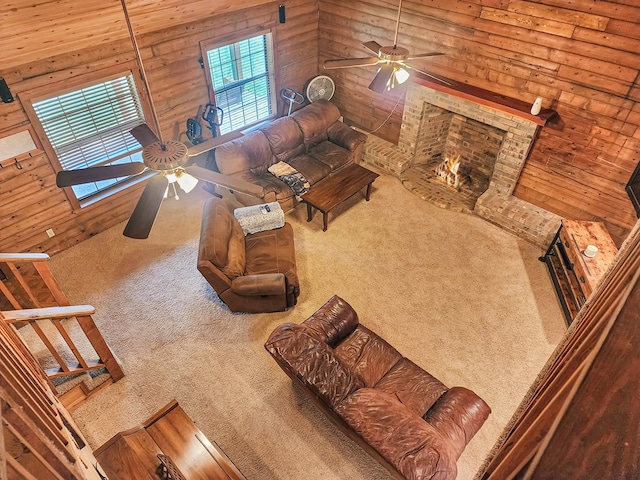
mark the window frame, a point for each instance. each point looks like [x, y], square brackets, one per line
[230, 39]
[77, 82]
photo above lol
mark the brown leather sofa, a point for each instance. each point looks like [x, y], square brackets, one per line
[405, 418]
[256, 273]
[312, 140]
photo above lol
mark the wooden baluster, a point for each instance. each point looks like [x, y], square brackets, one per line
[24, 285]
[47, 277]
[5, 291]
[100, 345]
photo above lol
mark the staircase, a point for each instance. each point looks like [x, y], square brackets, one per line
[64, 338]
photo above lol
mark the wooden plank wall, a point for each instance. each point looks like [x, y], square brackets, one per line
[580, 56]
[49, 41]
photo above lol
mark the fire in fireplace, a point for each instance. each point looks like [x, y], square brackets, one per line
[451, 173]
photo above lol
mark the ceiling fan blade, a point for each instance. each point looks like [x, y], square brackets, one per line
[373, 46]
[351, 62]
[146, 210]
[213, 143]
[68, 178]
[380, 81]
[144, 135]
[424, 55]
[435, 77]
[225, 181]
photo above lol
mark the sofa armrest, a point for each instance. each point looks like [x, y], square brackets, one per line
[414, 447]
[311, 362]
[263, 284]
[333, 321]
[346, 137]
[458, 415]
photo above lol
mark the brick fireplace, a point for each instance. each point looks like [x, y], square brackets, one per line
[444, 136]
[494, 142]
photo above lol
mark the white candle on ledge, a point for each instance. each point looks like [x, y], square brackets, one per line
[537, 106]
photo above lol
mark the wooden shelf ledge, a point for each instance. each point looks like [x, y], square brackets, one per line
[485, 97]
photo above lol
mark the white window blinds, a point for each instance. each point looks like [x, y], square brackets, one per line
[241, 76]
[89, 127]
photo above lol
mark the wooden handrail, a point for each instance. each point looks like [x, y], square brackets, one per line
[23, 257]
[47, 313]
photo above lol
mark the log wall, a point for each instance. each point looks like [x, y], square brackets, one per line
[580, 56]
[49, 41]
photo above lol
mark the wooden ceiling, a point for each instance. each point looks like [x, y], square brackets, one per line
[39, 29]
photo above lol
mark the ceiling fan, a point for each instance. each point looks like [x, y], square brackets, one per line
[168, 158]
[393, 61]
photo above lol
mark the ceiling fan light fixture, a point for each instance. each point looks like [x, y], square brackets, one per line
[382, 79]
[187, 182]
[401, 75]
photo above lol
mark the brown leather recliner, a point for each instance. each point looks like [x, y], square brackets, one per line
[256, 273]
[404, 417]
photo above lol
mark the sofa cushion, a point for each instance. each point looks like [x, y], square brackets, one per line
[367, 355]
[312, 169]
[251, 152]
[331, 154]
[285, 138]
[405, 440]
[414, 387]
[271, 251]
[314, 120]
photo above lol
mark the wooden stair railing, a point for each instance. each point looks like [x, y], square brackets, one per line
[30, 295]
[38, 438]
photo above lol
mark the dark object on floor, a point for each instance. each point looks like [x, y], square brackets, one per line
[256, 273]
[409, 421]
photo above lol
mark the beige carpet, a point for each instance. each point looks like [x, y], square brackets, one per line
[465, 300]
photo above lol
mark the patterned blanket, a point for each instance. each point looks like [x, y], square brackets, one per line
[289, 175]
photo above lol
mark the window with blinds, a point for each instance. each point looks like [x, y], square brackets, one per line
[89, 127]
[241, 77]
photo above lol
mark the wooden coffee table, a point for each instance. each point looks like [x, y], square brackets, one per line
[331, 192]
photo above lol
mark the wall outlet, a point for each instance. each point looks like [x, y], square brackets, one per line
[50, 232]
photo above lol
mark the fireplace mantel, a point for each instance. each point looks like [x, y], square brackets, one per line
[485, 97]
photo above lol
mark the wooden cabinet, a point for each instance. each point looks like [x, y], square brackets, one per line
[168, 445]
[575, 275]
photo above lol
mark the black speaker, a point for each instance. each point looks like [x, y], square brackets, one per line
[282, 14]
[5, 93]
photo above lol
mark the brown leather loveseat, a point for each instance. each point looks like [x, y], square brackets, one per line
[405, 418]
[256, 273]
[312, 140]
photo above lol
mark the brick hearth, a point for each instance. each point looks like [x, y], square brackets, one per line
[497, 204]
